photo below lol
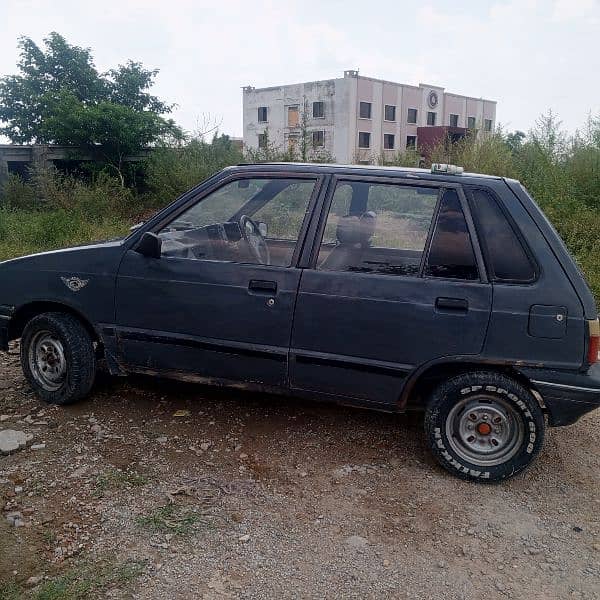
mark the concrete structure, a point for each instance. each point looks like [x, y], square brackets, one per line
[360, 119]
[20, 158]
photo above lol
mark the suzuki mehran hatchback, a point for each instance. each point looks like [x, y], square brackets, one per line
[378, 287]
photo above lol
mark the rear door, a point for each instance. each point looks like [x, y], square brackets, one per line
[396, 280]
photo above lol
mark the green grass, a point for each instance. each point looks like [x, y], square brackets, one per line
[115, 479]
[178, 520]
[86, 581]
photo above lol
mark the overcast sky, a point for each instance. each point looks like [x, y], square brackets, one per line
[528, 55]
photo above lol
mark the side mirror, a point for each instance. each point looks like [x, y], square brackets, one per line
[262, 227]
[150, 245]
[136, 226]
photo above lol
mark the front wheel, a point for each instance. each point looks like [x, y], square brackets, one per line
[58, 358]
[484, 426]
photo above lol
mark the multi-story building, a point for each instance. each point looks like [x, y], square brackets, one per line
[360, 119]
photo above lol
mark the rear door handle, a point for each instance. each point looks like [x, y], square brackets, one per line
[452, 304]
[259, 286]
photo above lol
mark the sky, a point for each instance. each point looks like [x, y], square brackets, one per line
[530, 56]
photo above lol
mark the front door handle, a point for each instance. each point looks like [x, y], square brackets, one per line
[259, 286]
[459, 305]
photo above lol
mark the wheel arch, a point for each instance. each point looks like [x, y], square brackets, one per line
[424, 379]
[23, 314]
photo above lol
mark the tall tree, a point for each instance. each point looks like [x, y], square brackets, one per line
[60, 97]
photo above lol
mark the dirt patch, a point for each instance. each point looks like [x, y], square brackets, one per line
[153, 489]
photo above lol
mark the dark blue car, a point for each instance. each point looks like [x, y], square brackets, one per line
[379, 287]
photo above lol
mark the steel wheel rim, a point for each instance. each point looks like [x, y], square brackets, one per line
[467, 427]
[47, 361]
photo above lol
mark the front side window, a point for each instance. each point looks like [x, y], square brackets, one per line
[364, 139]
[411, 116]
[430, 118]
[252, 221]
[506, 257]
[365, 110]
[262, 114]
[377, 228]
[451, 253]
[318, 110]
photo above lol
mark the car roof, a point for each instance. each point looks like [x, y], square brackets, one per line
[368, 170]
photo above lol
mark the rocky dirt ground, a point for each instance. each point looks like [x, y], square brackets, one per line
[154, 489]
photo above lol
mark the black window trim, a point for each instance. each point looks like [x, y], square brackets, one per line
[511, 222]
[195, 198]
[318, 229]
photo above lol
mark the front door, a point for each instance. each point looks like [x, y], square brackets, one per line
[219, 301]
[395, 283]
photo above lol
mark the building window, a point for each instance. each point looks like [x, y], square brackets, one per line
[318, 110]
[365, 110]
[388, 141]
[262, 114]
[453, 120]
[431, 118]
[262, 140]
[411, 142]
[390, 112]
[471, 122]
[487, 124]
[364, 139]
[293, 116]
[412, 116]
[318, 138]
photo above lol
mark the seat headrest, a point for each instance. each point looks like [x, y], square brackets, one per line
[356, 230]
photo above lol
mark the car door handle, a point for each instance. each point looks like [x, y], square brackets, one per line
[452, 304]
[258, 286]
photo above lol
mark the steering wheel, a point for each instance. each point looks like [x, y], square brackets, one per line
[255, 240]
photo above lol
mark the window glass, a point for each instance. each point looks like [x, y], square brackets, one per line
[374, 228]
[365, 110]
[504, 252]
[471, 122]
[262, 114]
[453, 120]
[488, 124]
[430, 118]
[254, 221]
[451, 253]
[388, 141]
[318, 109]
[390, 112]
[412, 115]
[318, 138]
[411, 142]
[364, 139]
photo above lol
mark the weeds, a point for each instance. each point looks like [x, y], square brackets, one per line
[115, 479]
[174, 519]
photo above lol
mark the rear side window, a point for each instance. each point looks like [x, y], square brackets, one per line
[506, 257]
[451, 253]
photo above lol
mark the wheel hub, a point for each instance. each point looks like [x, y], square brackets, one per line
[47, 360]
[484, 430]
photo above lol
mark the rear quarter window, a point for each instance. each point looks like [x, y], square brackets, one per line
[506, 256]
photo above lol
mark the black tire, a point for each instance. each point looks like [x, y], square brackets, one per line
[78, 360]
[456, 425]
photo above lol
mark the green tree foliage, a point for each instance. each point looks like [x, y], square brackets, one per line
[59, 97]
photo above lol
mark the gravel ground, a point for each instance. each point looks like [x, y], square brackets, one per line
[155, 489]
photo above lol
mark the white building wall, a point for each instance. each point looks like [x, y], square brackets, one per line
[342, 122]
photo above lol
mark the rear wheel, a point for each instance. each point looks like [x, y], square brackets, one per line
[484, 426]
[57, 358]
